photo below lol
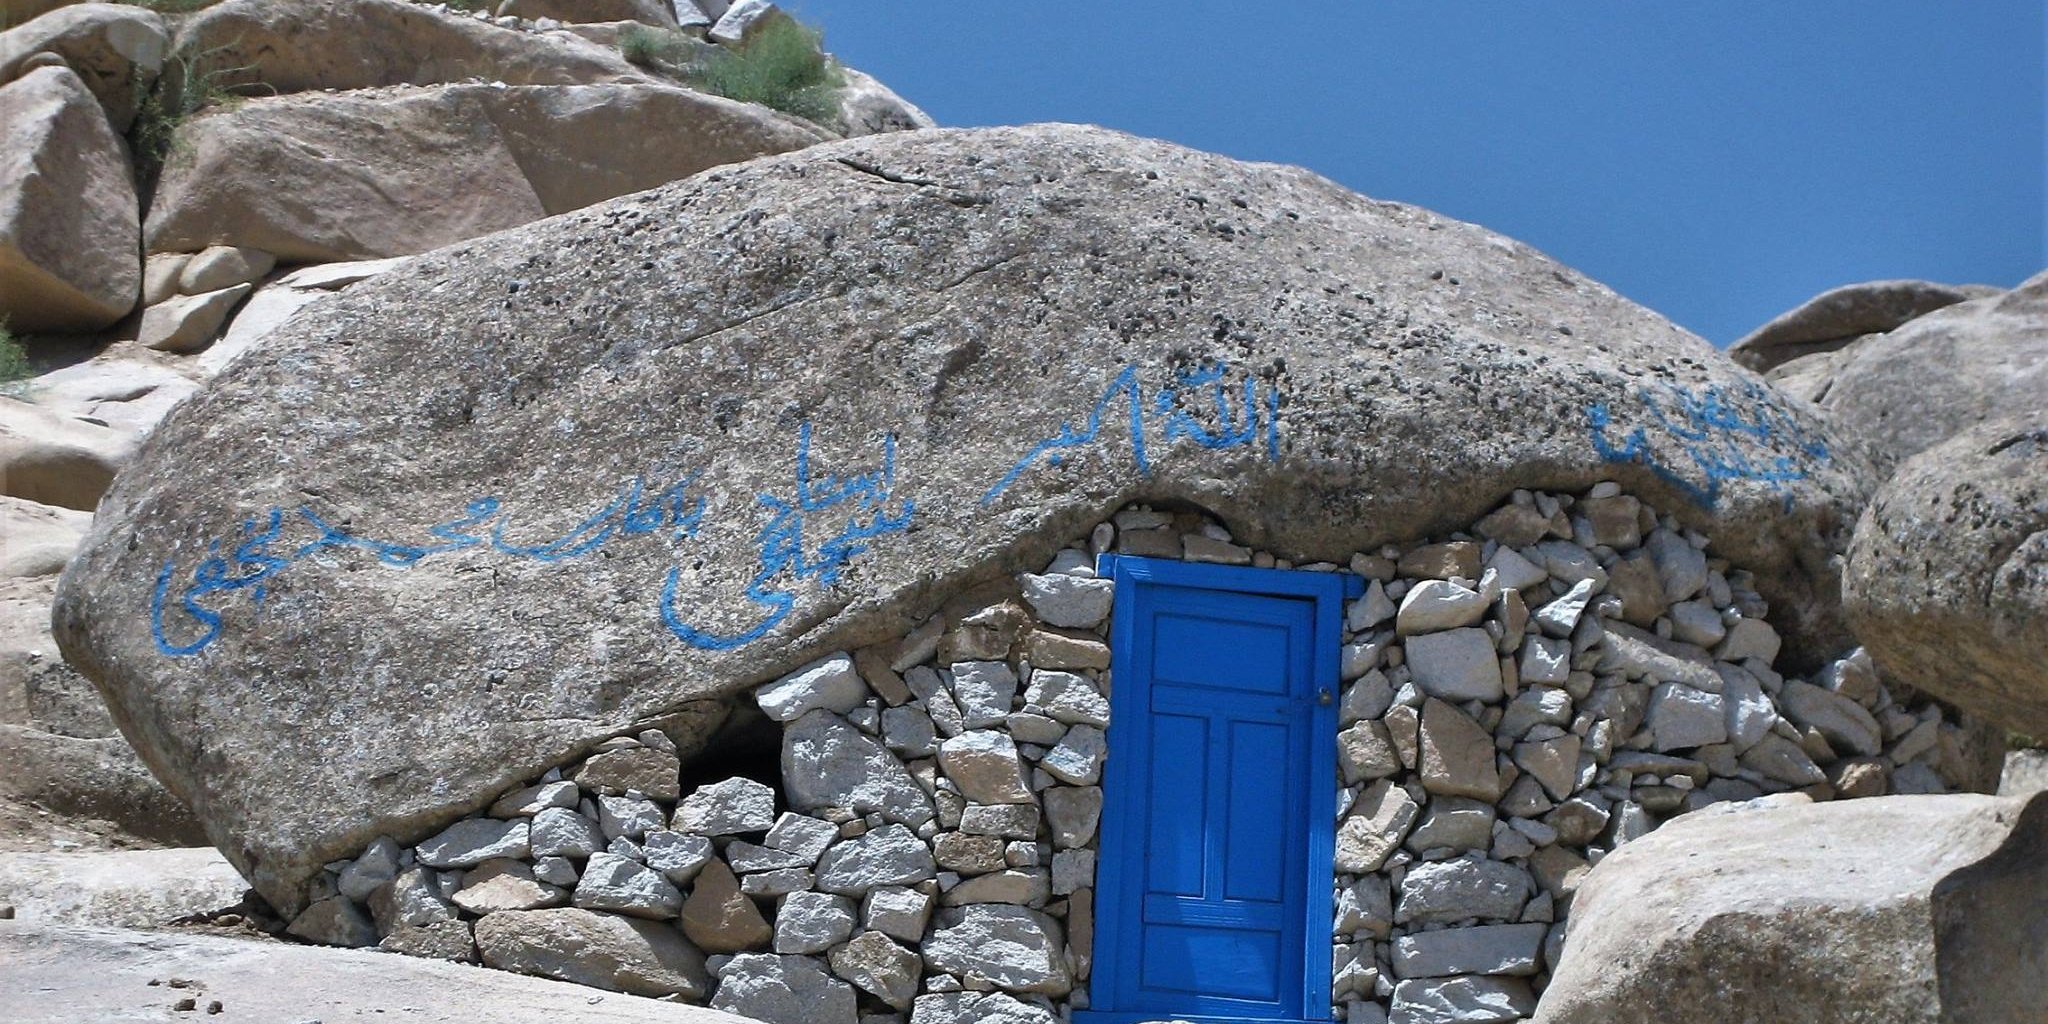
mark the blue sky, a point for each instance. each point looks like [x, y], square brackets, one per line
[1719, 162]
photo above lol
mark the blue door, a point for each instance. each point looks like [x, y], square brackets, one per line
[1214, 892]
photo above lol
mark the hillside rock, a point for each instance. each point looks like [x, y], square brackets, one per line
[356, 175]
[1836, 317]
[659, 13]
[57, 460]
[1918, 908]
[267, 47]
[1911, 388]
[116, 50]
[117, 888]
[37, 539]
[99, 782]
[942, 310]
[68, 215]
[867, 107]
[1947, 578]
[106, 974]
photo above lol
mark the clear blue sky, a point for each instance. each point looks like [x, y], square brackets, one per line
[1719, 161]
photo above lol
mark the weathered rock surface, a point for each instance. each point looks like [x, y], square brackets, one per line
[1836, 317]
[391, 172]
[117, 888]
[659, 13]
[57, 460]
[1947, 579]
[116, 49]
[37, 539]
[1897, 908]
[1011, 297]
[269, 47]
[92, 781]
[68, 215]
[2026, 773]
[105, 974]
[1909, 389]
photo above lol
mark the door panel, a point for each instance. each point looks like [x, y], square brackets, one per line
[1215, 899]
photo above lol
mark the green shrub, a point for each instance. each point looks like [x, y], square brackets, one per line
[782, 66]
[184, 88]
[14, 367]
[663, 50]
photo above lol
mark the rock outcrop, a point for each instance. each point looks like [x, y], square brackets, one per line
[116, 50]
[289, 46]
[966, 368]
[68, 216]
[1906, 390]
[322, 177]
[1896, 909]
[1837, 317]
[1947, 578]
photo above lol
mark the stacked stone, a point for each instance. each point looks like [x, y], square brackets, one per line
[937, 855]
[1522, 699]
[1517, 702]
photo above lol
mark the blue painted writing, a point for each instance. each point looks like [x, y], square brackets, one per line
[1250, 419]
[1726, 434]
[253, 562]
[783, 557]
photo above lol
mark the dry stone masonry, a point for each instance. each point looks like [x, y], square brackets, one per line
[1519, 700]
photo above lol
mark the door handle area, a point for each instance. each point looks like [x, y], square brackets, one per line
[1323, 696]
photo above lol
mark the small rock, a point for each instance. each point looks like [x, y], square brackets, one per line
[812, 922]
[1068, 601]
[611, 882]
[732, 807]
[472, 841]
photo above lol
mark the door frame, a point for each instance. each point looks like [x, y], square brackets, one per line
[1115, 940]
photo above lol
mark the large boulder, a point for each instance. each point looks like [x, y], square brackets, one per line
[64, 975]
[53, 459]
[1836, 317]
[267, 47]
[1896, 909]
[324, 177]
[68, 219]
[543, 486]
[95, 786]
[116, 49]
[659, 13]
[867, 107]
[37, 539]
[1947, 578]
[1907, 390]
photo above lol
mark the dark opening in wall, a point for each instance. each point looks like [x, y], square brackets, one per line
[748, 744]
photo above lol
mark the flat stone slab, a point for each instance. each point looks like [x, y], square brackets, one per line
[121, 888]
[61, 975]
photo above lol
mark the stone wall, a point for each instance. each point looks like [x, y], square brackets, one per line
[1518, 701]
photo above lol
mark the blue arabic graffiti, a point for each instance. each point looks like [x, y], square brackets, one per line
[781, 547]
[1727, 434]
[253, 562]
[1251, 419]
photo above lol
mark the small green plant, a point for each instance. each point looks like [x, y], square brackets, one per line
[184, 88]
[14, 367]
[782, 65]
[663, 50]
